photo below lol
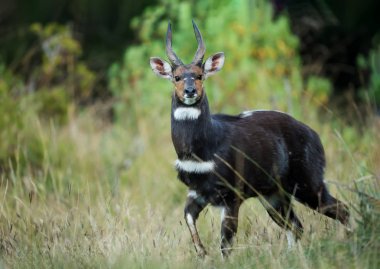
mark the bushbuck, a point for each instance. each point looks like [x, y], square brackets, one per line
[225, 159]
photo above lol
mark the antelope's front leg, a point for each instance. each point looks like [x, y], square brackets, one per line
[229, 227]
[194, 205]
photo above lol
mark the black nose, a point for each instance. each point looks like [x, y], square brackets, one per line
[190, 92]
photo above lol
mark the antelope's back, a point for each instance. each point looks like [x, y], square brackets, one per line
[272, 124]
[275, 143]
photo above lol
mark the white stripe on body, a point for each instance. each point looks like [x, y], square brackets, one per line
[249, 113]
[195, 167]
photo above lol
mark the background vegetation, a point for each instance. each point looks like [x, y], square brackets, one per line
[87, 178]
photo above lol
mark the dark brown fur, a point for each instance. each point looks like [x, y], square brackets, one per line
[265, 154]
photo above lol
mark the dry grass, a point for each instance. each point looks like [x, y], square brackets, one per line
[105, 199]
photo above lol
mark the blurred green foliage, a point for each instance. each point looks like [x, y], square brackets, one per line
[371, 93]
[374, 88]
[11, 121]
[60, 64]
[319, 88]
[100, 25]
[51, 91]
[256, 48]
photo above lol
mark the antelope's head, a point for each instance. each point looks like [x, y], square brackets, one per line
[187, 78]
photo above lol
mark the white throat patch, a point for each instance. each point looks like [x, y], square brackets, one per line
[195, 167]
[186, 113]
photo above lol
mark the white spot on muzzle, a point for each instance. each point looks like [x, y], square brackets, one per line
[186, 113]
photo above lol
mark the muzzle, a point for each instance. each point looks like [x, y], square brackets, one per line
[190, 96]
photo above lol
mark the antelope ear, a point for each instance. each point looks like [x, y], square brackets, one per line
[213, 64]
[161, 68]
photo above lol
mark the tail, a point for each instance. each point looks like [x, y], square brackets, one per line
[336, 209]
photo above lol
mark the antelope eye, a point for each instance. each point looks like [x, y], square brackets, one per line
[177, 78]
[199, 77]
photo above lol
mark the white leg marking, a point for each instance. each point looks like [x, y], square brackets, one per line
[192, 194]
[291, 239]
[190, 222]
[186, 113]
[195, 167]
[194, 234]
[222, 214]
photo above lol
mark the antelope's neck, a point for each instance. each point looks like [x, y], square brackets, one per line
[192, 129]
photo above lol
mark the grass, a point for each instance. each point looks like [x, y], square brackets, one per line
[94, 194]
[103, 197]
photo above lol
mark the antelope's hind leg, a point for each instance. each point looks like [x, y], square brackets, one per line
[280, 210]
[194, 205]
[229, 227]
[324, 203]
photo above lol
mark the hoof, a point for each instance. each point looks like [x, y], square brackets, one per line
[226, 252]
[201, 253]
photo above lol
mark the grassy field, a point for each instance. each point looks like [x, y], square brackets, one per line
[103, 198]
[78, 190]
